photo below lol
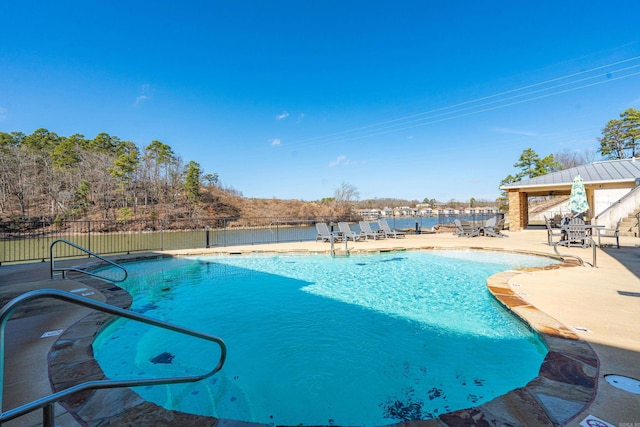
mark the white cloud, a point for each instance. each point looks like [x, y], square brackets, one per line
[340, 160]
[343, 160]
[145, 93]
[3, 114]
[276, 142]
[141, 98]
[513, 131]
[282, 115]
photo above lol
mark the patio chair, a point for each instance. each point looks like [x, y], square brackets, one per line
[464, 229]
[324, 233]
[366, 231]
[552, 232]
[613, 233]
[496, 230]
[491, 222]
[576, 232]
[347, 233]
[388, 232]
[556, 221]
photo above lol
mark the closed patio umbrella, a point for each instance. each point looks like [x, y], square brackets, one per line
[578, 199]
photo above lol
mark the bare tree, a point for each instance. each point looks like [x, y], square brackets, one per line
[22, 181]
[344, 196]
[102, 185]
[568, 158]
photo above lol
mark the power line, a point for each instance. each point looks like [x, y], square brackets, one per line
[382, 132]
[401, 123]
[503, 99]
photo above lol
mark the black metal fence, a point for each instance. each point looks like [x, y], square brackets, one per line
[30, 240]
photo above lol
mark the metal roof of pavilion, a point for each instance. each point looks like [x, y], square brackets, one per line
[624, 170]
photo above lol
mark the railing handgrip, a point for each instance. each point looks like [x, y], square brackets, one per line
[53, 269]
[592, 244]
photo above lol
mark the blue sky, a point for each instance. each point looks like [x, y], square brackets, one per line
[290, 99]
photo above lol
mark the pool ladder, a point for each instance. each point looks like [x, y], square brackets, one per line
[64, 270]
[332, 249]
[47, 403]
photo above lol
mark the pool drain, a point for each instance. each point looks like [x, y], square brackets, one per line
[631, 385]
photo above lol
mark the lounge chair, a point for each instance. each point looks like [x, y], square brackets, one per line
[495, 230]
[388, 232]
[464, 229]
[366, 231]
[552, 232]
[491, 222]
[324, 233]
[347, 233]
[613, 233]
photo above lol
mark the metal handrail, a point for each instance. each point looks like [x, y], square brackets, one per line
[592, 243]
[47, 403]
[78, 270]
[618, 202]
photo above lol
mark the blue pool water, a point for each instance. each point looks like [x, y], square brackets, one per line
[313, 340]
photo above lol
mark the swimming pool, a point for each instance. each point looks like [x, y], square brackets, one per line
[361, 340]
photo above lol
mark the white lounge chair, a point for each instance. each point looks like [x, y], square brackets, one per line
[366, 231]
[324, 233]
[347, 233]
[388, 232]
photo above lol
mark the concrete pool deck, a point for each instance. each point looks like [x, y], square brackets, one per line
[592, 314]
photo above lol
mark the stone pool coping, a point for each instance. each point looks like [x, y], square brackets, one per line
[565, 385]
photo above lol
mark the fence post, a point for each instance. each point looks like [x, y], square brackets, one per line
[129, 232]
[42, 249]
[206, 234]
[89, 236]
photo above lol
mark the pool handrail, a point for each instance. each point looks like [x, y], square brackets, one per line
[47, 403]
[592, 243]
[64, 270]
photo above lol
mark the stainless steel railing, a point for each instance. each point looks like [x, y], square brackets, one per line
[592, 243]
[47, 403]
[64, 270]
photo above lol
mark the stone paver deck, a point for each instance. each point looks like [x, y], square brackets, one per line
[588, 317]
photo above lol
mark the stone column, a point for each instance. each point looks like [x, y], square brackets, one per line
[518, 210]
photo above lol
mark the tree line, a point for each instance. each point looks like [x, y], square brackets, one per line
[51, 176]
[45, 175]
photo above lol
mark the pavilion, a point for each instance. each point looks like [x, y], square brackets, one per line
[607, 184]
